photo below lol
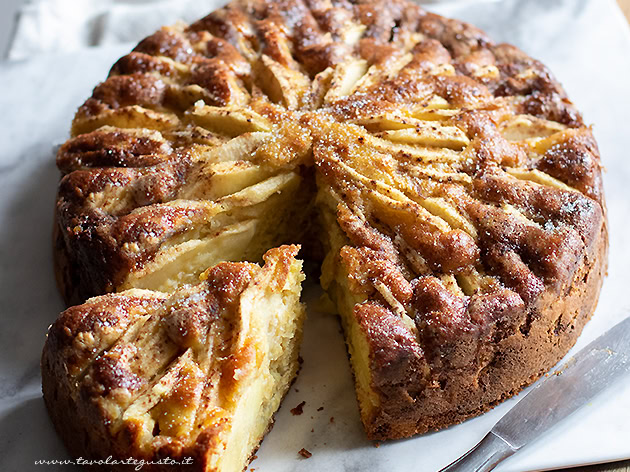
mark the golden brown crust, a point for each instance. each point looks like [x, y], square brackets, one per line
[466, 186]
[152, 143]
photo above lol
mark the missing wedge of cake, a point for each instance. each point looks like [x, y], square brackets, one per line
[196, 374]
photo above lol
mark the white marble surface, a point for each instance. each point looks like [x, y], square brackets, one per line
[585, 42]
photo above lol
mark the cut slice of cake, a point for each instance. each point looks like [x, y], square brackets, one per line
[195, 374]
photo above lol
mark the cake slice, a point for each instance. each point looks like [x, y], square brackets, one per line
[195, 374]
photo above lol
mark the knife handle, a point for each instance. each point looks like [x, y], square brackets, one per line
[483, 457]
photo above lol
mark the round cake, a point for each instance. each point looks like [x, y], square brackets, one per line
[446, 183]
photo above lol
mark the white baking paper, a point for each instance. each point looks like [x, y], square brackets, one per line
[585, 42]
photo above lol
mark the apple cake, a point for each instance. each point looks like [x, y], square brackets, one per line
[194, 376]
[446, 183]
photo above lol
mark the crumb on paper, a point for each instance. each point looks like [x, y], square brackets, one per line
[305, 453]
[298, 410]
[320, 408]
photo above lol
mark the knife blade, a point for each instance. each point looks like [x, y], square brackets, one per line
[560, 394]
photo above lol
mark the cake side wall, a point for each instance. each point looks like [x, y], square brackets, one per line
[518, 360]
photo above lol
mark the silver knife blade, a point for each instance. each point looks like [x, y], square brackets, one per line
[583, 377]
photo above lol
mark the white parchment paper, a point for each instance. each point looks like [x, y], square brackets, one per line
[586, 43]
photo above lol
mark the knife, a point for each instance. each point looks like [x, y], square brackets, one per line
[560, 394]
